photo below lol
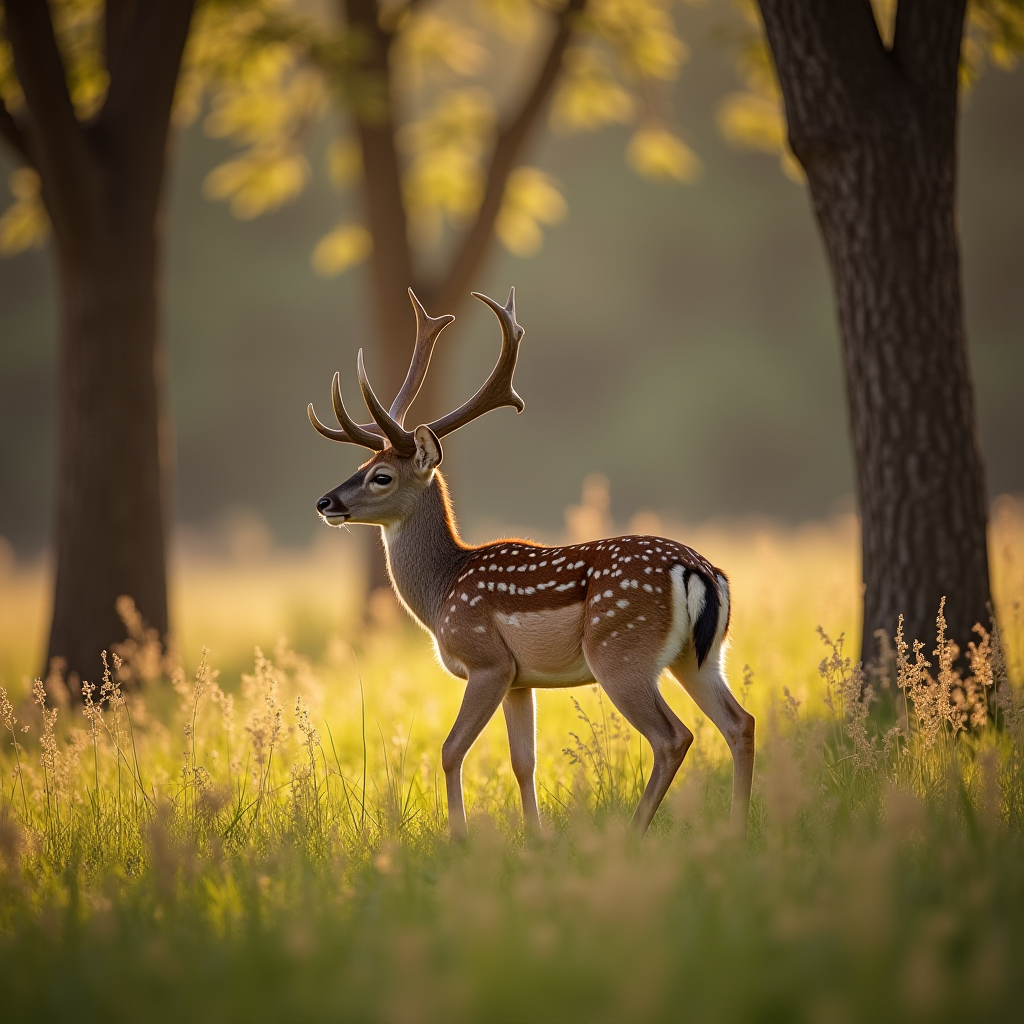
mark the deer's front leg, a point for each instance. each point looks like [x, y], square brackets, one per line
[520, 718]
[485, 690]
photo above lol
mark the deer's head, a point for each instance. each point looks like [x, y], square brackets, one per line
[386, 489]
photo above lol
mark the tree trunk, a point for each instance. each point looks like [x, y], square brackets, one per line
[875, 130]
[102, 182]
[887, 213]
[110, 505]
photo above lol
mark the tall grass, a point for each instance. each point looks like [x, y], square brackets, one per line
[271, 845]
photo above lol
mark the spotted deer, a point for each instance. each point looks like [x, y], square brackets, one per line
[512, 616]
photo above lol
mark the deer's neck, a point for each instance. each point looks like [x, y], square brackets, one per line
[424, 553]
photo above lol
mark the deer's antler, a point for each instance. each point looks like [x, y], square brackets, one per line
[388, 426]
[497, 390]
[368, 435]
[427, 330]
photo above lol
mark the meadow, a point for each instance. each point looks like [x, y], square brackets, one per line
[253, 827]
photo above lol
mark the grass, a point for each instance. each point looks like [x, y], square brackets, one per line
[270, 845]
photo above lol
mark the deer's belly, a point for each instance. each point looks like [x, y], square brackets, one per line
[547, 645]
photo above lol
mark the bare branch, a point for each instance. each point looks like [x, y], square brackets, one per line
[926, 48]
[833, 69]
[14, 133]
[506, 155]
[391, 265]
[63, 157]
[117, 19]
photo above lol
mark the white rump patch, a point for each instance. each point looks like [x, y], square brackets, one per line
[679, 631]
[696, 595]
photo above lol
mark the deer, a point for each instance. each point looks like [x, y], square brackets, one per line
[513, 616]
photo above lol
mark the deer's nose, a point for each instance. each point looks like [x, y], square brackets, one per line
[323, 504]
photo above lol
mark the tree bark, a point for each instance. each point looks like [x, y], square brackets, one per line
[110, 508]
[875, 131]
[102, 183]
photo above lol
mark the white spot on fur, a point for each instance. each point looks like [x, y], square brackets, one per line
[566, 586]
[622, 604]
[479, 629]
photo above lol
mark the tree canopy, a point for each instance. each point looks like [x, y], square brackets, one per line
[273, 75]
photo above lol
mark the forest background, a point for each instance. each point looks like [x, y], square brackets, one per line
[674, 307]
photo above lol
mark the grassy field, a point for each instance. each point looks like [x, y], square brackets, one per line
[268, 843]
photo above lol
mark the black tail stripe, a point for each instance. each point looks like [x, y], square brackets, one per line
[706, 626]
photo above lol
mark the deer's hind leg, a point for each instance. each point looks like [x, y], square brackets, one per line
[710, 692]
[634, 692]
[521, 718]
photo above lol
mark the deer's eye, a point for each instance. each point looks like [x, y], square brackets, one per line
[382, 479]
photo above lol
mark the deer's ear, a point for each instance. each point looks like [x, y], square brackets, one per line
[428, 451]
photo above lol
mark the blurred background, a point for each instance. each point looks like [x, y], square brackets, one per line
[680, 341]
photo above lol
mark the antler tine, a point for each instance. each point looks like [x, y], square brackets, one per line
[329, 432]
[400, 438]
[368, 436]
[354, 434]
[427, 330]
[497, 390]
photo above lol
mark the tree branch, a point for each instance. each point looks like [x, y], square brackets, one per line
[15, 135]
[451, 291]
[833, 69]
[926, 49]
[63, 157]
[135, 117]
[391, 270]
[117, 19]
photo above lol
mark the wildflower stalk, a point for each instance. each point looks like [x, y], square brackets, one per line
[7, 714]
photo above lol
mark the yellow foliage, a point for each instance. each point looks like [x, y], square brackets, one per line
[747, 119]
[261, 179]
[445, 176]
[588, 96]
[656, 152]
[218, 49]
[516, 20]
[345, 246]
[642, 33]
[78, 26]
[994, 32]
[25, 223]
[271, 96]
[531, 199]
[754, 121]
[433, 45]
